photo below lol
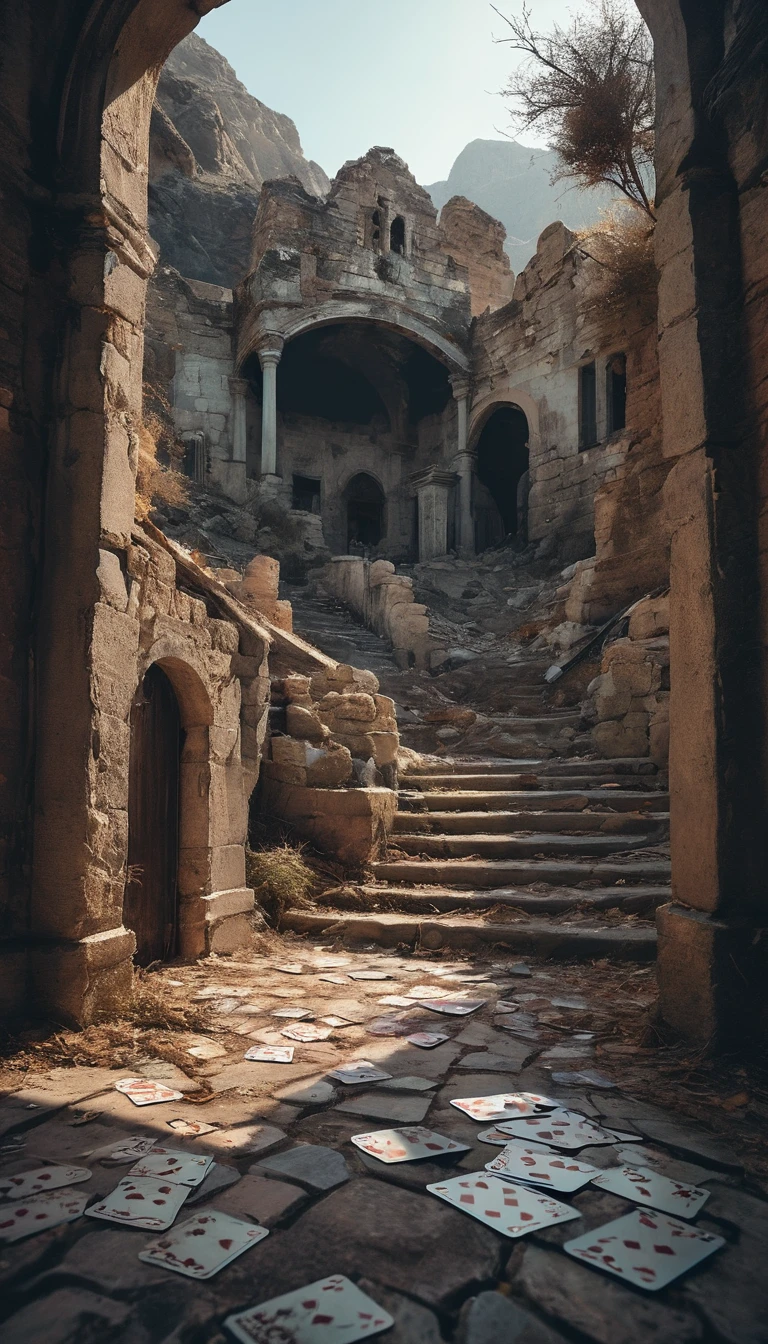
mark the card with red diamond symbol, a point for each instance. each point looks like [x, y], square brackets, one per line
[646, 1248]
[202, 1246]
[511, 1209]
[330, 1311]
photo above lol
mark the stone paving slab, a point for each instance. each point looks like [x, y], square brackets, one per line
[315, 1167]
[402, 1110]
[492, 1318]
[265, 1201]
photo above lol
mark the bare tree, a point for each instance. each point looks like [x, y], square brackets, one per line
[590, 88]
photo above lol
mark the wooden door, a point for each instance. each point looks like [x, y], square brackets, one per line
[153, 819]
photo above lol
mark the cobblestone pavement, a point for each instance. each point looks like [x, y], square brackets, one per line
[283, 1157]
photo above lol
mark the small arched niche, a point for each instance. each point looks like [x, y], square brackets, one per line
[397, 235]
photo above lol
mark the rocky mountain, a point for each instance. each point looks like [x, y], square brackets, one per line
[212, 145]
[514, 183]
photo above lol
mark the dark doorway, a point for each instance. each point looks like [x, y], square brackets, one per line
[365, 511]
[153, 818]
[502, 467]
[306, 494]
[616, 392]
[397, 236]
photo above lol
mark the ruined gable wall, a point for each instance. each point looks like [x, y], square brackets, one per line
[476, 240]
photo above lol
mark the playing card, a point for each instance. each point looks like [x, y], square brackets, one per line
[120, 1154]
[297, 1013]
[203, 1245]
[427, 1040]
[306, 1031]
[270, 1054]
[503, 1105]
[648, 1187]
[562, 1128]
[294, 968]
[358, 1071]
[141, 1202]
[145, 1092]
[29, 1183]
[369, 975]
[406, 1145]
[331, 1021]
[646, 1248]
[170, 1164]
[498, 1135]
[27, 1216]
[190, 1128]
[330, 1311]
[540, 1166]
[511, 1209]
[452, 1007]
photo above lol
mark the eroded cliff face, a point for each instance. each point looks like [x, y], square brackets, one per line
[212, 146]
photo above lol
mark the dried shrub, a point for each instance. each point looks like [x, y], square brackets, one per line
[281, 878]
[622, 244]
[156, 483]
[151, 1008]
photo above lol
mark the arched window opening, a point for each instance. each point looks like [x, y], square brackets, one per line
[365, 513]
[397, 235]
[375, 229]
[587, 406]
[616, 392]
[501, 494]
[150, 905]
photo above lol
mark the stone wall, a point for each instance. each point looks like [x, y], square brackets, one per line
[629, 701]
[384, 601]
[476, 240]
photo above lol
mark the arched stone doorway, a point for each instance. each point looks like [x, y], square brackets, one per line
[364, 499]
[150, 905]
[501, 494]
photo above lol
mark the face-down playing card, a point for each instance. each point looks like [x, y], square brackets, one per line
[645, 1248]
[141, 1202]
[330, 1311]
[503, 1105]
[410, 1144]
[541, 1166]
[511, 1209]
[202, 1246]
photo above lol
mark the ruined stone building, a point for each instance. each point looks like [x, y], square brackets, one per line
[378, 373]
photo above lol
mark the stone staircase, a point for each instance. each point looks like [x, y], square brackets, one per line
[551, 854]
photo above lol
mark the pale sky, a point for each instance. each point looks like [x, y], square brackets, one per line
[420, 75]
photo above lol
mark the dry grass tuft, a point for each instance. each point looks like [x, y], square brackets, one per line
[151, 1009]
[623, 245]
[155, 483]
[281, 878]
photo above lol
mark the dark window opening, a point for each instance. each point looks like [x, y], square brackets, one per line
[365, 513]
[397, 236]
[587, 406]
[306, 494]
[376, 231]
[616, 392]
[501, 496]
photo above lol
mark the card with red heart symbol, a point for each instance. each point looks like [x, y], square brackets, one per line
[37, 1182]
[171, 1164]
[270, 1054]
[141, 1202]
[145, 1092]
[541, 1166]
[562, 1128]
[647, 1187]
[511, 1209]
[406, 1145]
[330, 1311]
[306, 1031]
[28, 1216]
[504, 1105]
[646, 1248]
[202, 1246]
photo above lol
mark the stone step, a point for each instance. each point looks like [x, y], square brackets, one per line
[429, 783]
[518, 846]
[474, 873]
[577, 941]
[537, 800]
[641, 900]
[498, 822]
[501, 765]
[619, 765]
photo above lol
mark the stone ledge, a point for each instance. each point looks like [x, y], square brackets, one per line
[81, 980]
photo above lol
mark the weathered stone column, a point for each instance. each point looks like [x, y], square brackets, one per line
[433, 488]
[464, 465]
[238, 388]
[269, 358]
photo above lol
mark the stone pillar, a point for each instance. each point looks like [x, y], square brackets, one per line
[464, 465]
[433, 488]
[269, 358]
[385, 215]
[236, 470]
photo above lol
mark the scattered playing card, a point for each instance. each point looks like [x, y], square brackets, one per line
[37, 1182]
[190, 1128]
[28, 1216]
[500, 1138]
[203, 1245]
[646, 1248]
[453, 1007]
[358, 1071]
[504, 1105]
[648, 1187]
[427, 1040]
[145, 1092]
[169, 1164]
[294, 968]
[406, 1145]
[127, 1150]
[541, 1166]
[270, 1054]
[331, 1021]
[297, 1013]
[563, 1129]
[306, 1031]
[141, 1202]
[369, 975]
[511, 1209]
[330, 1311]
